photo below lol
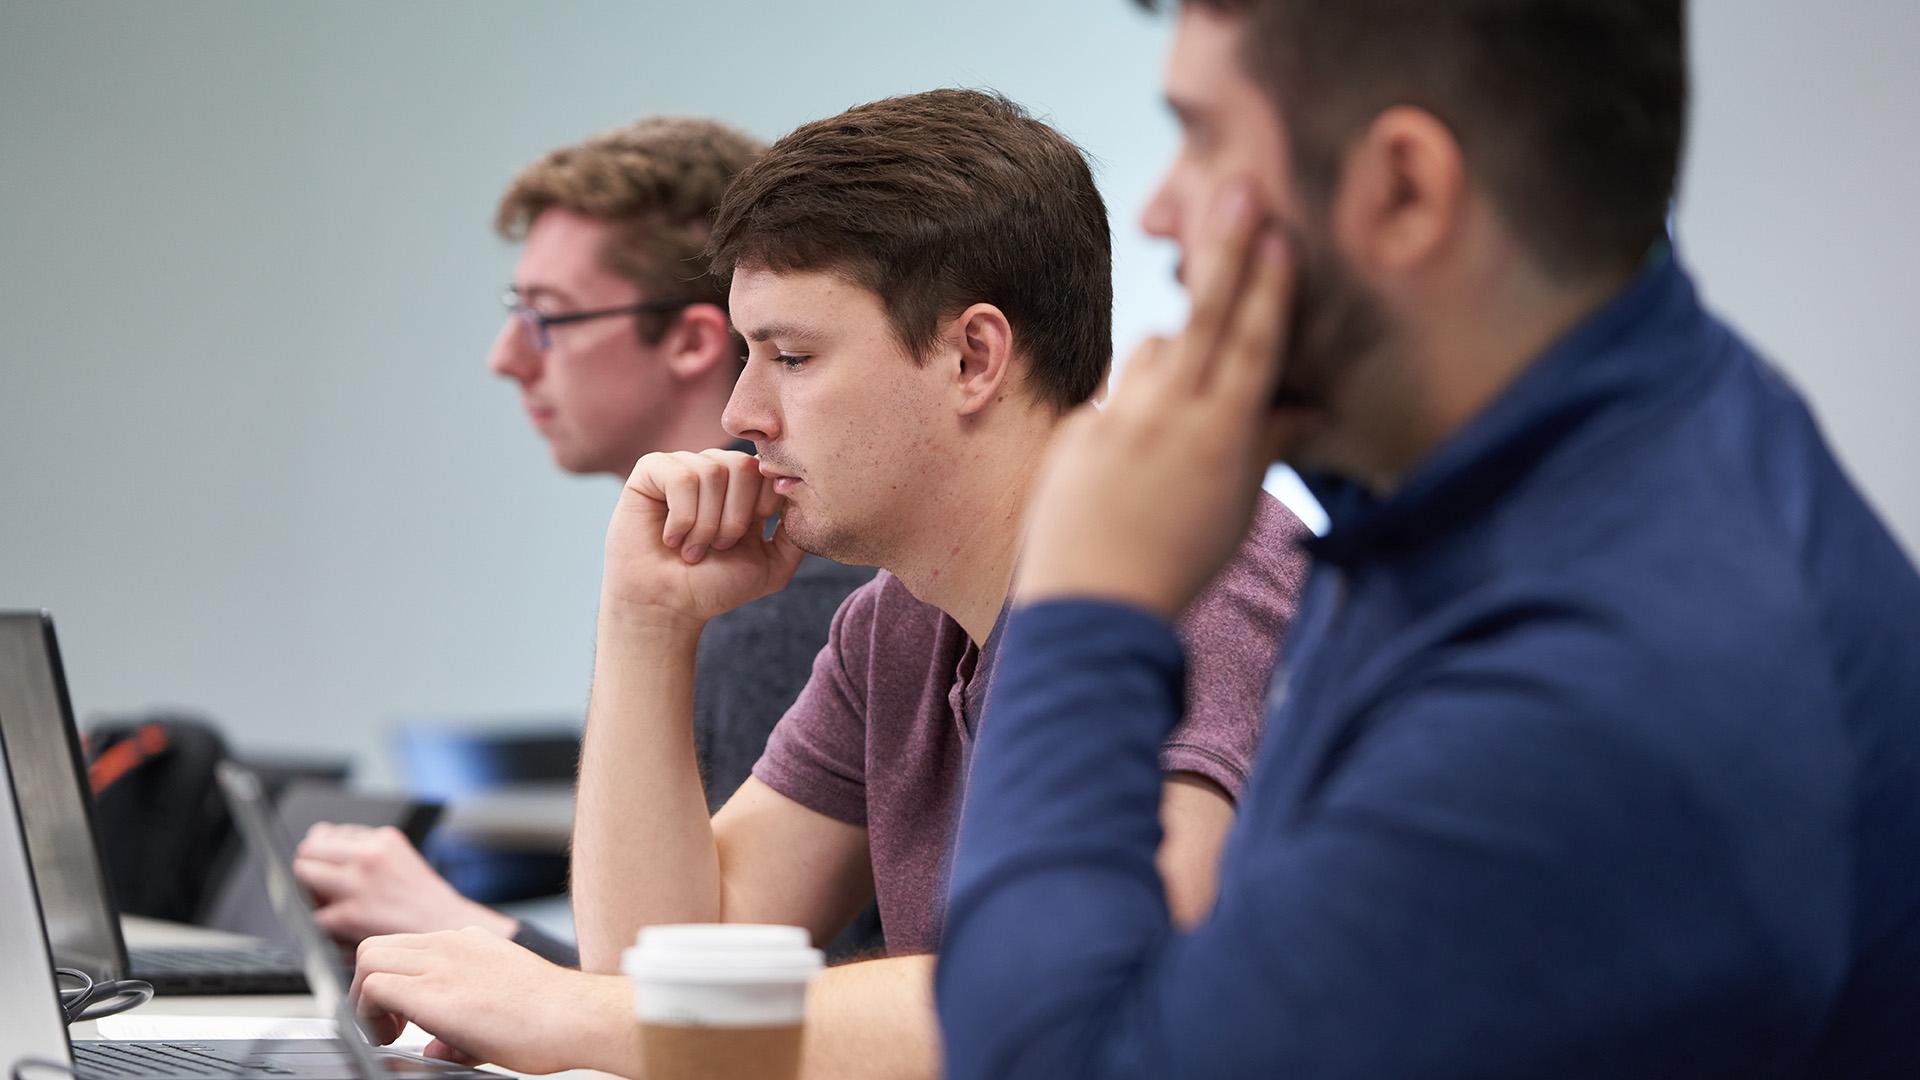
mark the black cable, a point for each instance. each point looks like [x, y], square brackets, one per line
[71, 1001]
[109, 998]
[93, 1000]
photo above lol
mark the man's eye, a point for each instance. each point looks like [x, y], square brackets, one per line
[791, 361]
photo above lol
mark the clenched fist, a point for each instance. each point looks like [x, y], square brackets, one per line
[687, 541]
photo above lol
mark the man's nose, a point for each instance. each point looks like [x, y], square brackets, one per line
[512, 355]
[1161, 216]
[750, 413]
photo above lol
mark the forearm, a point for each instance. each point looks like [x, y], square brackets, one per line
[1392, 924]
[1056, 890]
[873, 1021]
[643, 847]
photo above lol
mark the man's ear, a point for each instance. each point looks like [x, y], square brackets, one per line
[983, 343]
[1402, 194]
[699, 341]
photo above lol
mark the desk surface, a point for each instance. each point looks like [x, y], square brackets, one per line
[153, 932]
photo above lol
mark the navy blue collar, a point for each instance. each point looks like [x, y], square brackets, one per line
[1643, 343]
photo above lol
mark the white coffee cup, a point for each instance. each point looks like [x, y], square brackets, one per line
[721, 1000]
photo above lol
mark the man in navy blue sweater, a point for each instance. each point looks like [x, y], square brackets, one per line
[1595, 748]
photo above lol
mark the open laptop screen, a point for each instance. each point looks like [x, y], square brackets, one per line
[36, 720]
[31, 1026]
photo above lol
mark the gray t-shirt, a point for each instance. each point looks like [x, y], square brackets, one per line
[753, 661]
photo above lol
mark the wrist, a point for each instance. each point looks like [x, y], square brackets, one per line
[609, 1035]
[624, 615]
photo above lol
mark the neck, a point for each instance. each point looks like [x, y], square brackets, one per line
[963, 561]
[1466, 356]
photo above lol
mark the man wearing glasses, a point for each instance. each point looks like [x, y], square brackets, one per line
[619, 341]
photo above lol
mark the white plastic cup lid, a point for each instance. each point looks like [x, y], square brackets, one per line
[722, 953]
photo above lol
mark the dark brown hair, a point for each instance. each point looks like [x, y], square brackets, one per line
[933, 202]
[657, 181]
[1571, 113]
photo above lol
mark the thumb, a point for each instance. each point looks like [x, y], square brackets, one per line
[786, 554]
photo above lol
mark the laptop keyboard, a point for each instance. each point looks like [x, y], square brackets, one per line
[163, 1059]
[201, 970]
[180, 961]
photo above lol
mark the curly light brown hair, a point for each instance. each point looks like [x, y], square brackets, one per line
[658, 182]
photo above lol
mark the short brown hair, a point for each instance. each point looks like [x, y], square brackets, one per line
[658, 181]
[934, 201]
[1572, 113]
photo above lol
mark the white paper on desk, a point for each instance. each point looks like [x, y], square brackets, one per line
[166, 1026]
[176, 1027]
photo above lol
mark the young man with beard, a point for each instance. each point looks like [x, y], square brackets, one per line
[924, 286]
[1594, 749]
[618, 339]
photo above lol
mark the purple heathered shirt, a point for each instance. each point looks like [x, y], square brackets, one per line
[882, 733]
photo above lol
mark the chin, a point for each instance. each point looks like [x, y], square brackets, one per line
[802, 531]
[568, 462]
[820, 538]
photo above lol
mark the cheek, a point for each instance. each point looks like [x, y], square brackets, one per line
[605, 380]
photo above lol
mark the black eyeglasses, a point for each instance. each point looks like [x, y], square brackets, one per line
[539, 324]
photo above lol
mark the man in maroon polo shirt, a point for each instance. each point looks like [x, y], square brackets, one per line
[924, 286]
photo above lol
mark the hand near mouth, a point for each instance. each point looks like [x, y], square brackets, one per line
[1143, 502]
[687, 540]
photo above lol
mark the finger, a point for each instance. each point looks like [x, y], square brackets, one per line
[375, 955]
[375, 997]
[737, 517]
[439, 1049]
[1251, 361]
[1142, 368]
[327, 840]
[714, 481]
[1219, 267]
[344, 923]
[679, 488]
[326, 879]
[411, 942]
[769, 502]
[786, 554]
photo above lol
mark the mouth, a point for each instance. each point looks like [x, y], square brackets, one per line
[783, 483]
[541, 415]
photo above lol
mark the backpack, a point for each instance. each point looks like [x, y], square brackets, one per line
[160, 821]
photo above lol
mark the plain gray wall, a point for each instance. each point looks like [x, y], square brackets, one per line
[253, 461]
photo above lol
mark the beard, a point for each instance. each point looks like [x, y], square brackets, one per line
[812, 533]
[1337, 327]
[813, 524]
[1336, 324]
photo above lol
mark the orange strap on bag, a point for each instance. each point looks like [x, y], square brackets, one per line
[124, 756]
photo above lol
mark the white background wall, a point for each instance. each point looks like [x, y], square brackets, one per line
[251, 458]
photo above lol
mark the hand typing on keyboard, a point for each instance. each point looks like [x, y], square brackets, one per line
[368, 881]
[485, 999]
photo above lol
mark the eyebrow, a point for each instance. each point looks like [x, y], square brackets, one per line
[535, 292]
[790, 331]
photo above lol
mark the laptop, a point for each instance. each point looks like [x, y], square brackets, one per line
[36, 721]
[33, 1034]
[240, 903]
